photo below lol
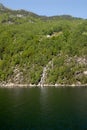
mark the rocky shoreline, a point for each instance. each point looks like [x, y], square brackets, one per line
[12, 85]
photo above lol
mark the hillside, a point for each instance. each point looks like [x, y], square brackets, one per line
[42, 50]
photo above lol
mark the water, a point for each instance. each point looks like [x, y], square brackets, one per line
[43, 109]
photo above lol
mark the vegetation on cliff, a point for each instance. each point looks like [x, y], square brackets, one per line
[30, 43]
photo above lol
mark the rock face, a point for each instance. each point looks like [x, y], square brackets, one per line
[85, 72]
[17, 76]
[82, 60]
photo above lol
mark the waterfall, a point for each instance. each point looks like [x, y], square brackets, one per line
[44, 73]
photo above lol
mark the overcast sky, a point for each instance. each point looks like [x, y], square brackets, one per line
[77, 8]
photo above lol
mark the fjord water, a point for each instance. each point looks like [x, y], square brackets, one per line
[43, 109]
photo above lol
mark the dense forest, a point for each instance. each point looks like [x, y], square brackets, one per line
[42, 50]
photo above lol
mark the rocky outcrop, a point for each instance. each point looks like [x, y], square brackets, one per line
[17, 76]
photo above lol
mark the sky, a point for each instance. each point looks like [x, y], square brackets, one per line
[76, 8]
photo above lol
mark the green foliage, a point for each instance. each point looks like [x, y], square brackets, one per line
[24, 42]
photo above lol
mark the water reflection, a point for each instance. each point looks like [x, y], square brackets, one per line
[43, 109]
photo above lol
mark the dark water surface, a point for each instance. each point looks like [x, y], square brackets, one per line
[43, 109]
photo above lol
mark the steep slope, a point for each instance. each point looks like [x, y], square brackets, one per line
[41, 50]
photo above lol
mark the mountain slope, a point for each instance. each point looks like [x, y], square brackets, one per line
[33, 48]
